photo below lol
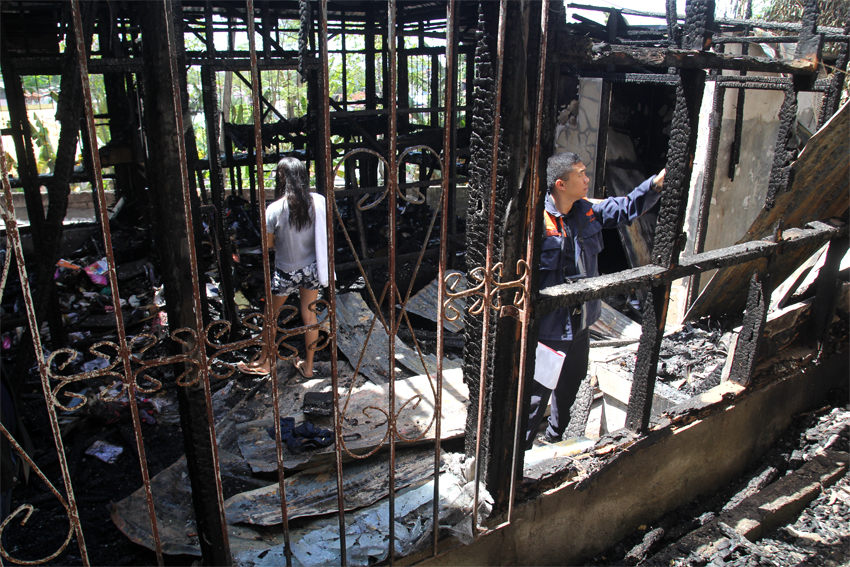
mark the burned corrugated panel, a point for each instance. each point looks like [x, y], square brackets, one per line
[424, 303]
[364, 427]
[313, 492]
[362, 338]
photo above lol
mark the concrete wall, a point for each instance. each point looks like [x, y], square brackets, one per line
[670, 467]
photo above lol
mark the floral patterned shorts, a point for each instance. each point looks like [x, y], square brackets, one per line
[287, 283]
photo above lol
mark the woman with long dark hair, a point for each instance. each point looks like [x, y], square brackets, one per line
[296, 228]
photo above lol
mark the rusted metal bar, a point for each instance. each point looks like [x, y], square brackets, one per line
[448, 129]
[325, 172]
[124, 351]
[219, 547]
[270, 323]
[488, 268]
[392, 184]
[43, 370]
[536, 168]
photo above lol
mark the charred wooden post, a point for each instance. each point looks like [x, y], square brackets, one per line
[165, 184]
[832, 96]
[22, 138]
[809, 46]
[668, 241]
[211, 114]
[602, 140]
[750, 338]
[827, 292]
[780, 172]
[520, 75]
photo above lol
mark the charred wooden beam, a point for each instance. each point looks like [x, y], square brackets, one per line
[621, 55]
[556, 297]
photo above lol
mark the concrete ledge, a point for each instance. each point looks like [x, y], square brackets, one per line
[675, 464]
[764, 511]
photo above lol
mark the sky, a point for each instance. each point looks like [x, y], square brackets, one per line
[642, 5]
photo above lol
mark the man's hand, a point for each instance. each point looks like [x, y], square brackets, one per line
[658, 182]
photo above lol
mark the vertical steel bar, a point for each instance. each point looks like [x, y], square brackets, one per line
[531, 238]
[14, 235]
[124, 351]
[491, 237]
[448, 121]
[196, 295]
[270, 315]
[331, 205]
[392, 182]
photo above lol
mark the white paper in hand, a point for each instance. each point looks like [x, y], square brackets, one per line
[547, 367]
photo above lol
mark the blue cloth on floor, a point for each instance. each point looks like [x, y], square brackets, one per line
[303, 437]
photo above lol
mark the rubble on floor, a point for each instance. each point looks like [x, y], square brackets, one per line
[817, 535]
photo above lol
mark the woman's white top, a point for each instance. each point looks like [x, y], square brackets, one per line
[296, 249]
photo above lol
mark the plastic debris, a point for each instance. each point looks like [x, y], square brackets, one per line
[105, 452]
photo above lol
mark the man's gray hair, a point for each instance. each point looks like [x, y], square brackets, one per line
[559, 166]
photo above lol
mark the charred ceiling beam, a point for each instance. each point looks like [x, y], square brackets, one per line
[622, 55]
[810, 45]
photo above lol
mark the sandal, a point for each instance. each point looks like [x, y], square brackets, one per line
[299, 366]
[251, 370]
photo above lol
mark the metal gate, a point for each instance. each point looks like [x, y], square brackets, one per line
[203, 347]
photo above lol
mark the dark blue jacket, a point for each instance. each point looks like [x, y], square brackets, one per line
[580, 230]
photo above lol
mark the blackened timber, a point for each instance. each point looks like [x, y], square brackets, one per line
[750, 338]
[520, 78]
[832, 96]
[652, 331]
[780, 171]
[714, 124]
[211, 114]
[170, 231]
[481, 144]
[556, 297]
[827, 291]
[621, 55]
[699, 22]
[667, 243]
[810, 45]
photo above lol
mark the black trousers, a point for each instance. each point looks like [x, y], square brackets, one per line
[564, 394]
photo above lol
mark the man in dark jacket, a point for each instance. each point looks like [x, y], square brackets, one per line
[571, 243]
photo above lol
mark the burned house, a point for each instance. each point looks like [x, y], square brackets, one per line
[427, 126]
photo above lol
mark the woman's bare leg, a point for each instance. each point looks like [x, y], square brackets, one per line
[307, 297]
